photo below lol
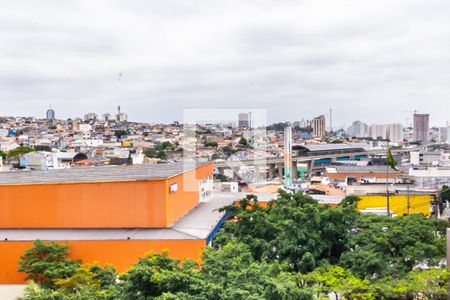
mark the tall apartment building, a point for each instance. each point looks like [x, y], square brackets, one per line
[122, 117]
[303, 123]
[50, 115]
[90, 116]
[444, 135]
[318, 125]
[358, 129]
[392, 132]
[106, 117]
[395, 133]
[379, 130]
[244, 120]
[421, 127]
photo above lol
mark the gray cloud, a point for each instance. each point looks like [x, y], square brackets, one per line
[368, 60]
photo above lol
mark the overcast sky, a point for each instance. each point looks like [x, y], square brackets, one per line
[375, 61]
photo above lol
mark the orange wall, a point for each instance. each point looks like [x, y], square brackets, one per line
[83, 205]
[187, 197]
[120, 253]
[358, 175]
[126, 204]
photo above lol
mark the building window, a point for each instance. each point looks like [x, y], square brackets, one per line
[173, 187]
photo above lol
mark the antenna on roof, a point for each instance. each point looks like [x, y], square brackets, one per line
[331, 120]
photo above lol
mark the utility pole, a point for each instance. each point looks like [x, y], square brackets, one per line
[407, 197]
[387, 182]
[331, 120]
[387, 189]
[437, 205]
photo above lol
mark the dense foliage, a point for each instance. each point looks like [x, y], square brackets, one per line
[46, 262]
[159, 151]
[211, 144]
[293, 249]
[19, 151]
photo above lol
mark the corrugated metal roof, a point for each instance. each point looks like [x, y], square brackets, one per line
[90, 234]
[328, 199]
[368, 168]
[102, 173]
[329, 147]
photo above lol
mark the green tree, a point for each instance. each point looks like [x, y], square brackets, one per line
[232, 273]
[293, 249]
[161, 154]
[20, 151]
[243, 141]
[221, 178]
[165, 146]
[445, 197]
[226, 273]
[42, 148]
[380, 245]
[90, 279]
[432, 283]
[349, 201]
[150, 152]
[85, 292]
[295, 229]
[445, 193]
[45, 262]
[120, 133]
[157, 274]
[228, 151]
[338, 281]
[418, 284]
[211, 144]
[155, 153]
[3, 154]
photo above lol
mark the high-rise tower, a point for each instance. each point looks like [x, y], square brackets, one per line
[318, 124]
[421, 127]
[50, 115]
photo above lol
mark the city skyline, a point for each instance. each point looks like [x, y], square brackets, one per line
[305, 119]
[158, 58]
[264, 149]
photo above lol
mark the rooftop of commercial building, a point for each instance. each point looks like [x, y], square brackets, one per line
[102, 173]
[330, 147]
[361, 169]
[328, 199]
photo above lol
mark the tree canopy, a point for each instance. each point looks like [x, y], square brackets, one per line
[20, 151]
[46, 262]
[211, 144]
[293, 249]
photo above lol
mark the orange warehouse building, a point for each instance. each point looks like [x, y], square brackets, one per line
[112, 215]
[146, 196]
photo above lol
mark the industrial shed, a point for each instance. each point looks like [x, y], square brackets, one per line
[111, 215]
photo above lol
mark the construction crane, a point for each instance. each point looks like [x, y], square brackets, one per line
[408, 123]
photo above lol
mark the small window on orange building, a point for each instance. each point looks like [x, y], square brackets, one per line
[173, 187]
